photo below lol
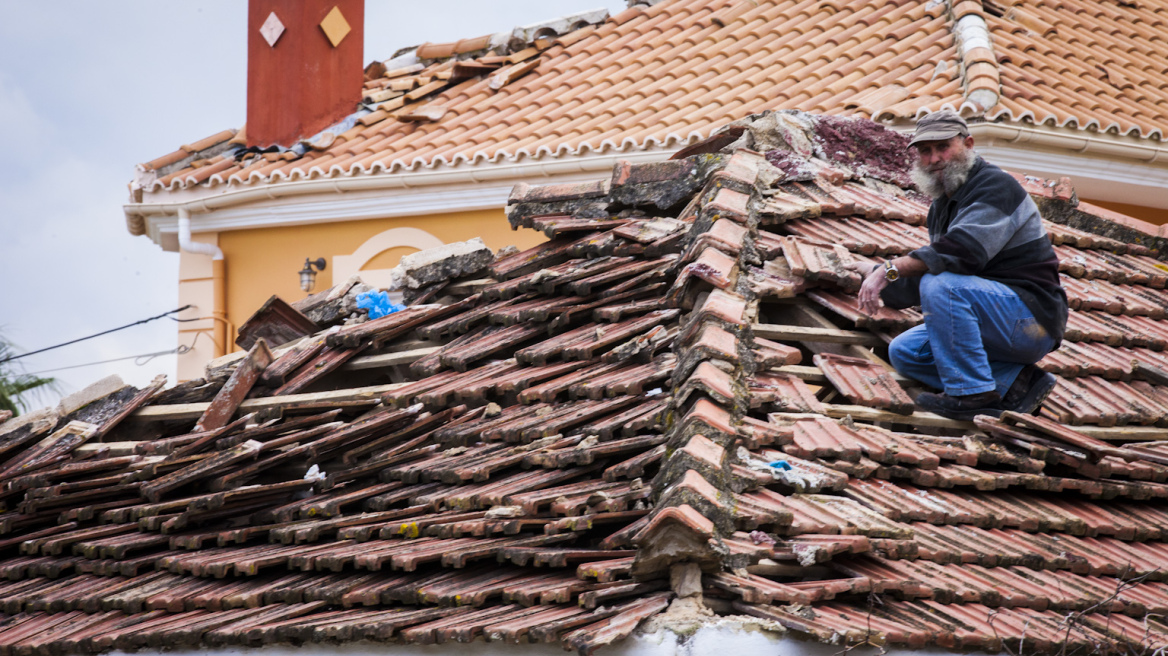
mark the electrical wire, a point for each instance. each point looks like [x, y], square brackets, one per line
[149, 356]
[140, 360]
[104, 332]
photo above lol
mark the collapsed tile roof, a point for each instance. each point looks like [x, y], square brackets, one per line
[665, 75]
[679, 383]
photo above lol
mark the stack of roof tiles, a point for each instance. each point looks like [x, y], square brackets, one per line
[665, 75]
[679, 377]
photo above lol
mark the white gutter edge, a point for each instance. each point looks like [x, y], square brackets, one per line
[1071, 142]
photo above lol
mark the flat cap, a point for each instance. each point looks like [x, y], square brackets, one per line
[940, 126]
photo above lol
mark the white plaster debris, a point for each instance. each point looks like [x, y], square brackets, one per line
[801, 479]
[505, 512]
[93, 392]
[46, 416]
[462, 257]
[806, 553]
[542, 275]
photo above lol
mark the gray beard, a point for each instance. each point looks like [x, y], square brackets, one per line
[949, 180]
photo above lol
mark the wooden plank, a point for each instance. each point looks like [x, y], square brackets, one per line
[805, 313]
[388, 359]
[469, 286]
[803, 372]
[115, 449]
[808, 334]
[864, 413]
[1124, 433]
[355, 397]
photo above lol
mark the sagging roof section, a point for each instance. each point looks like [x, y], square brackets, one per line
[676, 399]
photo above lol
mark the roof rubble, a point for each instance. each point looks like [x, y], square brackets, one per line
[673, 408]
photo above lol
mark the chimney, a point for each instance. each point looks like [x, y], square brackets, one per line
[304, 69]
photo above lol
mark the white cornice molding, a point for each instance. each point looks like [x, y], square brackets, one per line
[1102, 167]
[416, 193]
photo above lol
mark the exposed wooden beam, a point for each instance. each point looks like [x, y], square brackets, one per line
[809, 334]
[1124, 433]
[864, 413]
[356, 397]
[469, 286]
[388, 359]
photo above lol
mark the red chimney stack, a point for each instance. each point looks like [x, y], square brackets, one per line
[304, 69]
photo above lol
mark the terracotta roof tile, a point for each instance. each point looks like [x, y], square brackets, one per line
[685, 61]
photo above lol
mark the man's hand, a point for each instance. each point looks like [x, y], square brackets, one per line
[874, 283]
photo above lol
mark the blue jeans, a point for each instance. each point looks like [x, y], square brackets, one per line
[977, 336]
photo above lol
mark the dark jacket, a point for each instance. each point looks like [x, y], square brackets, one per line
[991, 228]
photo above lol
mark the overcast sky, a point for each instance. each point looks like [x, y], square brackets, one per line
[88, 90]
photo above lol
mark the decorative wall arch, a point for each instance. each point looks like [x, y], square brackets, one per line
[349, 265]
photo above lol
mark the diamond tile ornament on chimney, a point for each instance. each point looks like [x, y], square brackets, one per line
[304, 70]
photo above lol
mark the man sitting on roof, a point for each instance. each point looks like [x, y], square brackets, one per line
[987, 283]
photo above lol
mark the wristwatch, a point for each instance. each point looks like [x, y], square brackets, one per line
[891, 273]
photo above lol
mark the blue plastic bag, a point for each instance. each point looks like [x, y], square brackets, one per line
[378, 304]
[780, 464]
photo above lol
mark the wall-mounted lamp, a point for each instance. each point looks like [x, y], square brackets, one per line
[308, 273]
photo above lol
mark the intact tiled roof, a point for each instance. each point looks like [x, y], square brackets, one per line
[679, 380]
[667, 75]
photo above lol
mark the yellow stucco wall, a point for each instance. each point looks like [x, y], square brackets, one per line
[265, 261]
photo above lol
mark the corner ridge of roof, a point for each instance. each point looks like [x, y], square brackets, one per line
[981, 78]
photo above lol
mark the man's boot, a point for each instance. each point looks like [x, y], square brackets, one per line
[1029, 390]
[961, 408]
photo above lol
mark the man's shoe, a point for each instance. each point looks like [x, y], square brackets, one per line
[1029, 390]
[961, 408]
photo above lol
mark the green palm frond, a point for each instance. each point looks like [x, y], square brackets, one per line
[18, 389]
